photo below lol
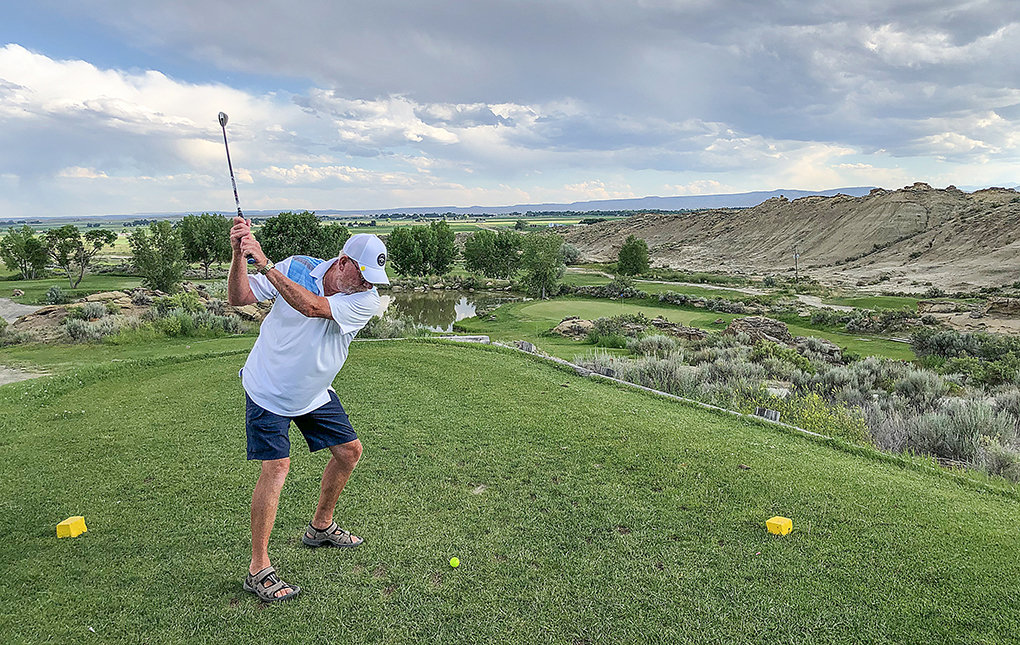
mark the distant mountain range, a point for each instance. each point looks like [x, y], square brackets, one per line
[683, 202]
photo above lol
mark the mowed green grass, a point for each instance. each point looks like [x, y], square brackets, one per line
[532, 321]
[582, 278]
[581, 512]
[35, 290]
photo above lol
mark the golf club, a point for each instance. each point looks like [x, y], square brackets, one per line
[223, 124]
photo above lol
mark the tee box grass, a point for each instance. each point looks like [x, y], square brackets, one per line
[587, 512]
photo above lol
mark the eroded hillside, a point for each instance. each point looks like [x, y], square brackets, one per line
[907, 238]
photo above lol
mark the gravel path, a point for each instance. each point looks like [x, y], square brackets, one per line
[11, 375]
[11, 311]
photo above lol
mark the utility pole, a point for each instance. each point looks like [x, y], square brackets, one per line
[796, 264]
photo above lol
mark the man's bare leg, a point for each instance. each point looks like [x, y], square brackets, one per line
[334, 478]
[264, 502]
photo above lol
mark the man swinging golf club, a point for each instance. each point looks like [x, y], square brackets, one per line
[302, 344]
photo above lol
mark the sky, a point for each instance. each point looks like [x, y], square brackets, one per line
[109, 106]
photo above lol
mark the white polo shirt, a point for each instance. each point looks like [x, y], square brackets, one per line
[291, 368]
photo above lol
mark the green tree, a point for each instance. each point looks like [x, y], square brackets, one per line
[542, 262]
[494, 255]
[444, 250]
[404, 251]
[633, 259]
[331, 240]
[22, 251]
[571, 254]
[206, 239]
[159, 256]
[425, 238]
[301, 233]
[73, 252]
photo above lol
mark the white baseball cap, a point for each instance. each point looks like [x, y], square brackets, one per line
[370, 254]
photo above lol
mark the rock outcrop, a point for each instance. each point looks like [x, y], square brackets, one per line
[573, 327]
[761, 328]
[908, 239]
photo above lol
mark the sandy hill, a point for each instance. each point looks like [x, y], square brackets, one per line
[907, 238]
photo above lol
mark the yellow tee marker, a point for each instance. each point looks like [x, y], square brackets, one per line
[779, 525]
[71, 527]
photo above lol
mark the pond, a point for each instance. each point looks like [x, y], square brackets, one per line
[438, 310]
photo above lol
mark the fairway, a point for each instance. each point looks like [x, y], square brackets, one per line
[532, 321]
[579, 511]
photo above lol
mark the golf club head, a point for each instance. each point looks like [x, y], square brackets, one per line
[223, 119]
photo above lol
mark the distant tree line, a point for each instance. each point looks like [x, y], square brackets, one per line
[422, 250]
[24, 251]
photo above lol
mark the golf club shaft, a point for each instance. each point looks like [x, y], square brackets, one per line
[233, 183]
[230, 166]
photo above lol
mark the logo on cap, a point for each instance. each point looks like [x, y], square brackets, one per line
[381, 259]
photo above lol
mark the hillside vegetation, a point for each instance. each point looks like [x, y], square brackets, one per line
[909, 238]
[581, 513]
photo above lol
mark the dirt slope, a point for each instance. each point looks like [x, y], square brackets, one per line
[958, 240]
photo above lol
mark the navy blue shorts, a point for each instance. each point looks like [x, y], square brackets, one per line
[268, 436]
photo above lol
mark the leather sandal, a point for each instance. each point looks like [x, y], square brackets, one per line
[256, 584]
[332, 535]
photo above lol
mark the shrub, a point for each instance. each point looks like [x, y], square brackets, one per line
[737, 373]
[954, 431]
[811, 412]
[140, 297]
[93, 310]
[390, 327]
[215, 306]
[56, 296]
[175, 323]
[619, 287]
[998, 459]
[665, 374]
[1008, 403]
[766, 349]
[657, 345]
[85, 331]
[633, 256]
[571, 254]
[86, 311]
[922, 389]
[188, 302]
[10, 337]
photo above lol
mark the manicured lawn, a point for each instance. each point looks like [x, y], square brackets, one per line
[581, 512]
[532, 320]
[579, 278]
[35, 290]
[60, 358]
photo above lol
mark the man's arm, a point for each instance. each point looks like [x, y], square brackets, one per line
[239, 291]
[301, 299]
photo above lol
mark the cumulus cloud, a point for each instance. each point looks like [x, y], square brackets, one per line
[485, 102]
[822, 71]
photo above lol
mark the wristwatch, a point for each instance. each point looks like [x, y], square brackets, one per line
[266, 269]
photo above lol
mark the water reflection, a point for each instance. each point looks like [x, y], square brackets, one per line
[437, 310]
